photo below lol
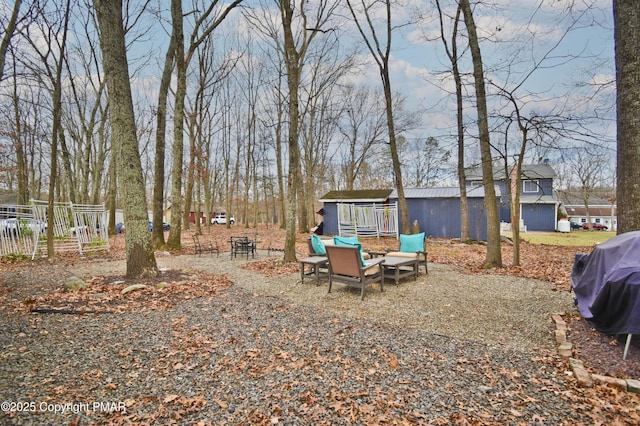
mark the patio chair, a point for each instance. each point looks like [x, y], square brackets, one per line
[204, 248]
[347, 266]
[412, 246]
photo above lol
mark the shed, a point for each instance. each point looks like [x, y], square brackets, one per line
[437, 211]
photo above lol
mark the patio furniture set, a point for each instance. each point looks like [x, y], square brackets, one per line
[243, 245]
[343, 260]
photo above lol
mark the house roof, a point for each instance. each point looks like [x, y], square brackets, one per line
[577, 211]
[529, 171]
[361, 195]
[572, 200]
[442, 192]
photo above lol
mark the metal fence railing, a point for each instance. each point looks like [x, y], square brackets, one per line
[76, 227]
[378, 220]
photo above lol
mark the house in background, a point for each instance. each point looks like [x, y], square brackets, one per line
[601, 211]
[437, 210]
[538, 204]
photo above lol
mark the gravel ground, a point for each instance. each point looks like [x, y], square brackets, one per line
[445, 349]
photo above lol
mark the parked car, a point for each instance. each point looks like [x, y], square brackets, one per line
[596, 226]
[575, 225]
[165, 226]
[221, 219]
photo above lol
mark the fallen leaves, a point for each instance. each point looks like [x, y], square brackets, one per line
[106, 294]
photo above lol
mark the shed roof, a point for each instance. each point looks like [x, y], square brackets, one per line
[361, 195]
[529, 171]
[442, 192]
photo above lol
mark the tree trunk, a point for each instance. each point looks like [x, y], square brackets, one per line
[157, 235]
[465, 232]
[626, 15]
[141, 261]
[494, 253]
[173, 241]
[293, 81]
[21, 155]
[9, 29]
[382, 59]
[55, 132]
[111, 195]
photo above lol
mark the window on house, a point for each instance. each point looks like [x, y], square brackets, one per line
[474, 183]
[583, 220]
[597, 220]
[530, 186]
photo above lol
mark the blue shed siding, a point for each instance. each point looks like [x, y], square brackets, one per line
[539, 217]
[440, 217]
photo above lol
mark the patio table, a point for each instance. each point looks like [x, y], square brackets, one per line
[396, 267]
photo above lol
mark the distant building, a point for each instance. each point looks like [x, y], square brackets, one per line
[538, 204]
[437, 210]
[601, 211]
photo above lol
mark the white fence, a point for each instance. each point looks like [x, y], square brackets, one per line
[377, 220]
[76, 227]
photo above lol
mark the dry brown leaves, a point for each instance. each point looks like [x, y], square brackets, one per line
[104, 294]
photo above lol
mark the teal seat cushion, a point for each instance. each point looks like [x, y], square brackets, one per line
[350, 241]
[412, 243]
[345, 240]
[318, 245]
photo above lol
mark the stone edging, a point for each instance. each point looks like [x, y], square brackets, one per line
[579, 371]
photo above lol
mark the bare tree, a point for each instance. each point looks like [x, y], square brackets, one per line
[379, 45]
[362, 125]
[205, 23]
[8, 33]
[157, 233]
[494, 253]
[626, 14]
[141, 261]
[425, 161]
[589, 167]
[451, 49]
[301, 24]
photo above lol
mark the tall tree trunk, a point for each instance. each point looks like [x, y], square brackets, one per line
[189, 202]
[494, 253]
[381, 54]
[626, 14]
[21, 155]
[55, 132]
[293, 82]
[465, 229]
[157, 234]
[141, 261]
[173, 241]
[111, 195]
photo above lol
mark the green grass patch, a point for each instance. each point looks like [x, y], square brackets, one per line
[573, 238]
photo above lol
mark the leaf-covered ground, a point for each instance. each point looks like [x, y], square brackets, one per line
[287, 358]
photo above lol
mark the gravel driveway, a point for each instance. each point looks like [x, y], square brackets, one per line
[445, 349]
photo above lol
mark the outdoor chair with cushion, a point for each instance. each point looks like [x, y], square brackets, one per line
[412, 246]
[347, 266]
